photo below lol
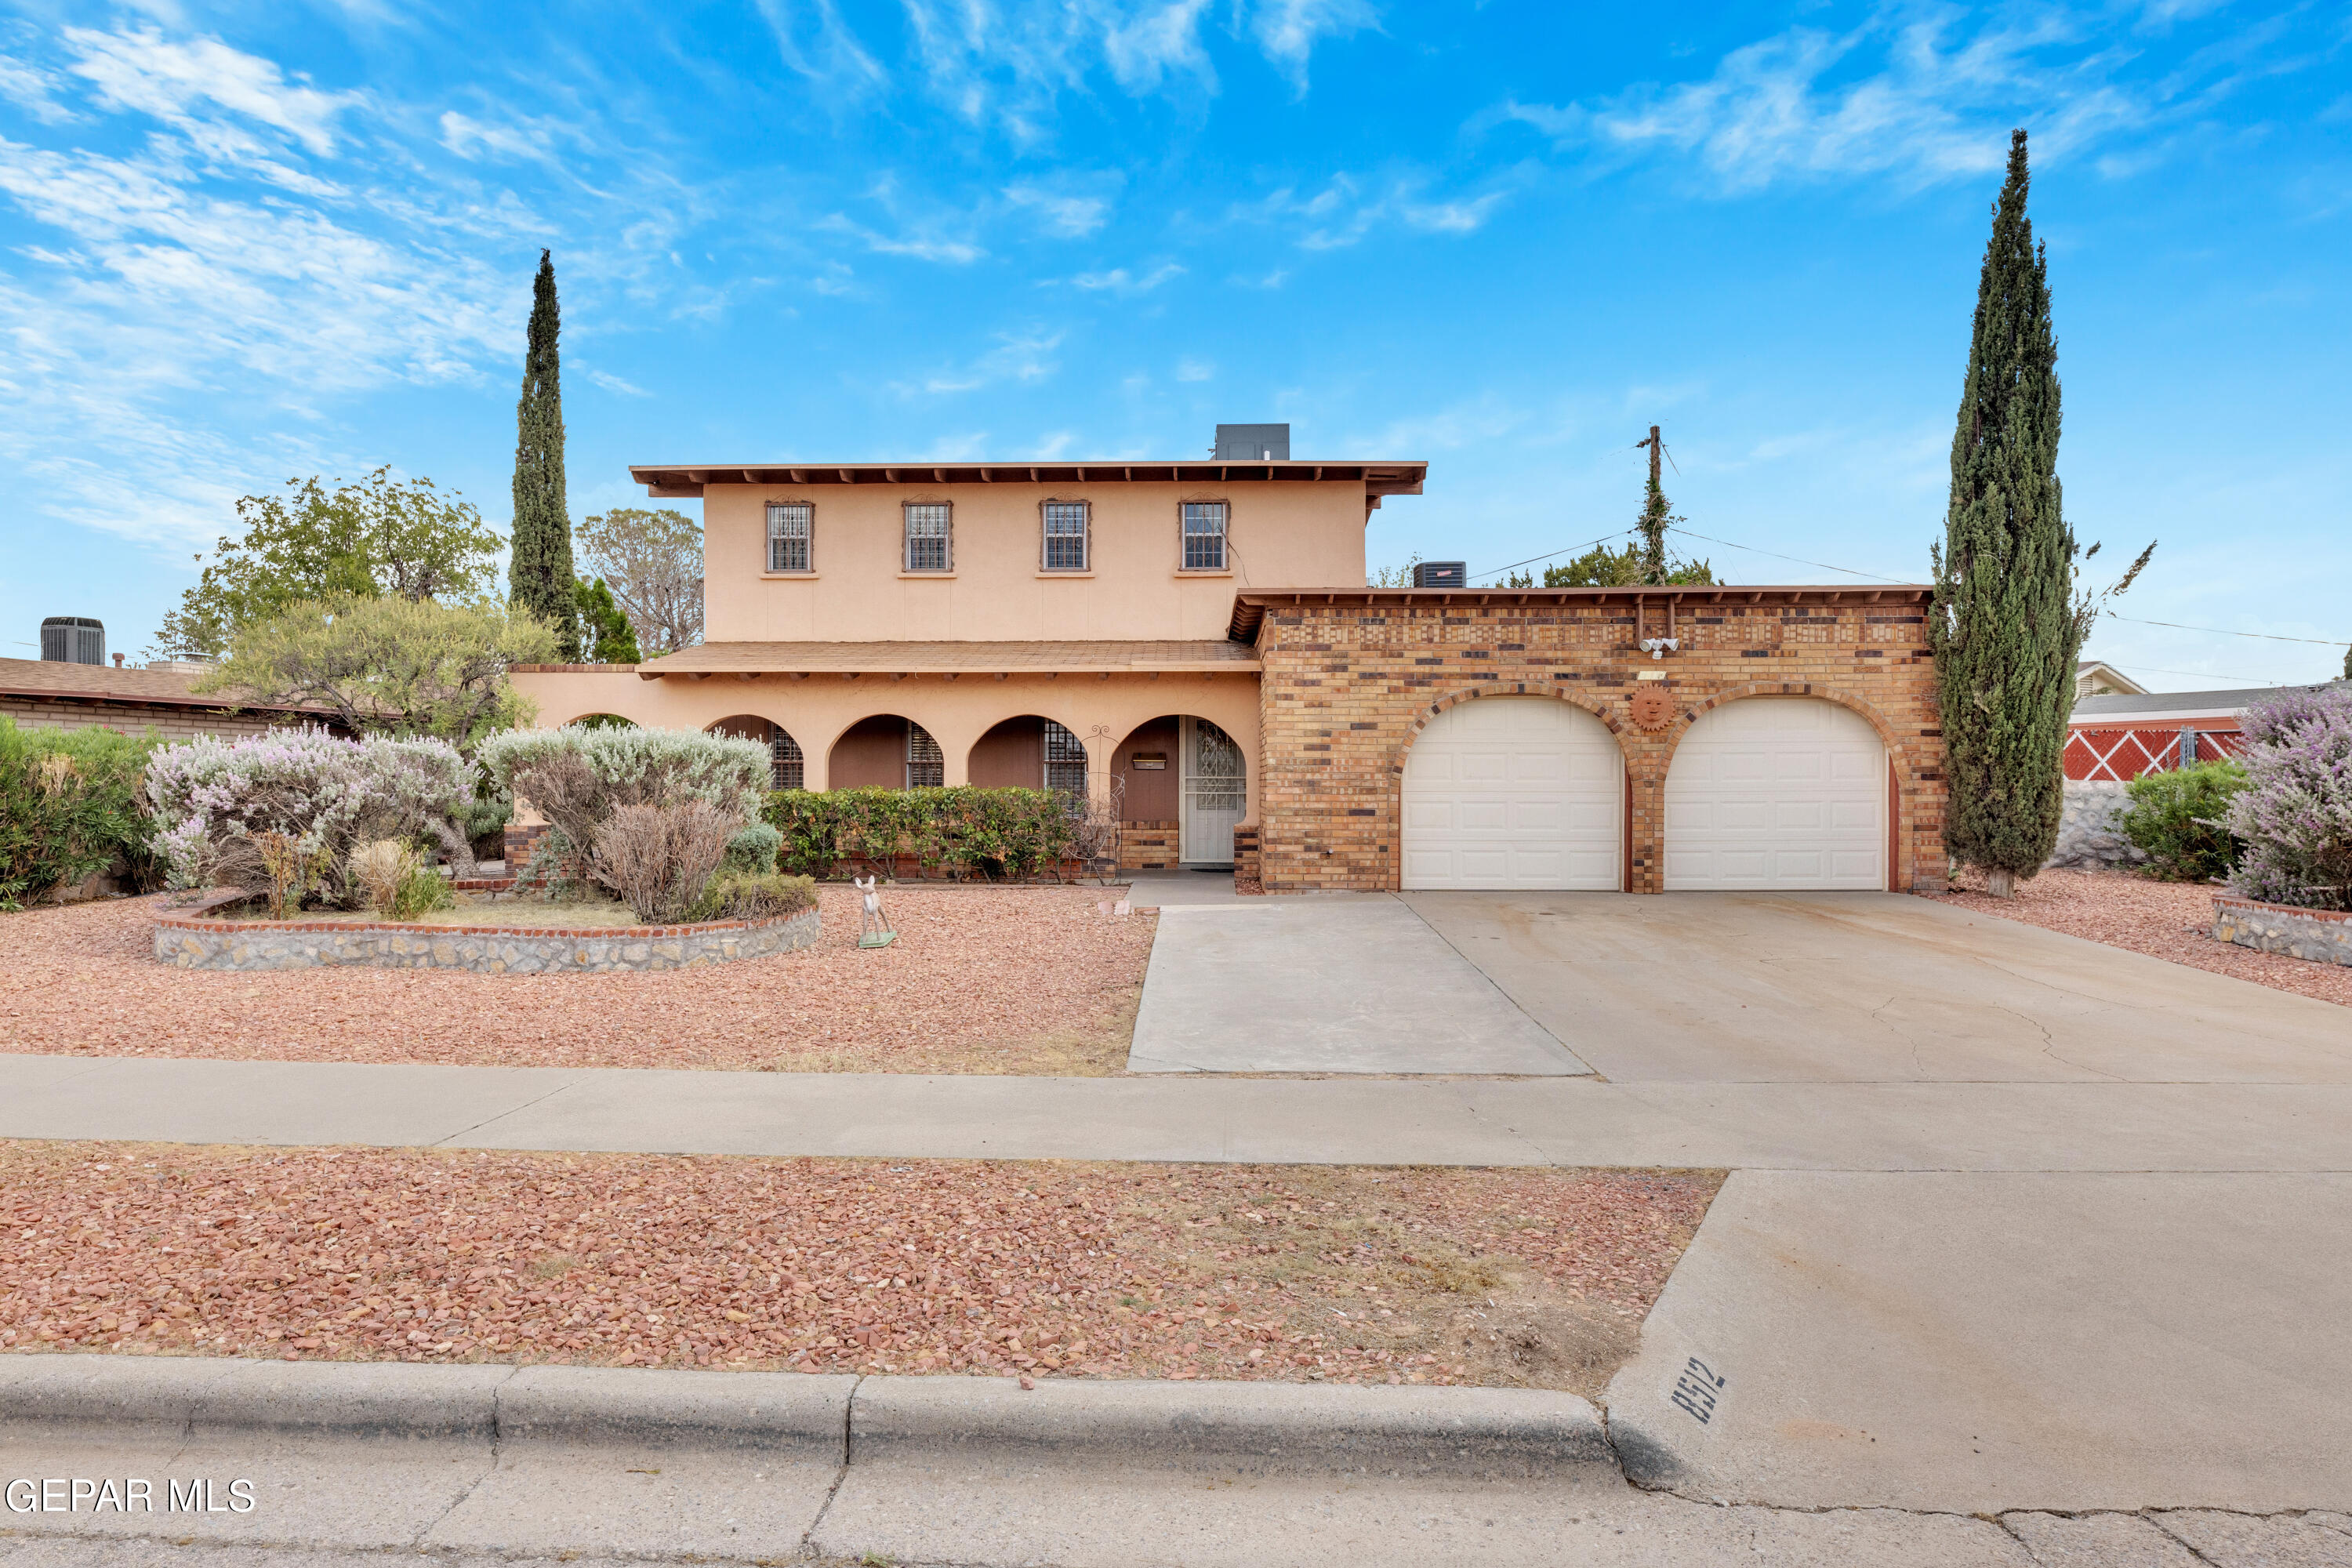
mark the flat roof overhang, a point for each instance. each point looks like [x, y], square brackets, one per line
[749, 660]
[687, 482]
[1250, 608]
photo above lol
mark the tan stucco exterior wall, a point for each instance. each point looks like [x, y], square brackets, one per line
[818, 710]
[1280, 533]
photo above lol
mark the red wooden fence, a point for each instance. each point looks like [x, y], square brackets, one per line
[2128, 754]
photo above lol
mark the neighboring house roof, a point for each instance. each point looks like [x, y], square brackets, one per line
[1383, 477]
[750, 658]
[2110, 710]
[58, 681]
[2099, 673]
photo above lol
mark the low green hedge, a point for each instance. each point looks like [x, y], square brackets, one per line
[2181, 817]
[71, 802]
[963, 832]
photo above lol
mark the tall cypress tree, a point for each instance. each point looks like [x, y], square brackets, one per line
[2006, 626]
[540, 576]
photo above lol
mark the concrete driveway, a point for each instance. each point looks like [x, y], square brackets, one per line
[1869, 987]
[2005, 1324]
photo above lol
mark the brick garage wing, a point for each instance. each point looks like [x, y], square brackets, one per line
[1350, 679]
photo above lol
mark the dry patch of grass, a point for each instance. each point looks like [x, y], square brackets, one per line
[1533, 1278]
[981, 980]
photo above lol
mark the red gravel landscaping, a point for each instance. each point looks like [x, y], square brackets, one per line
[2164, 920]
[981, 980]
[1520, 1277]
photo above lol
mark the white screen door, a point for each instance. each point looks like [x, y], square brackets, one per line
[1214, 785]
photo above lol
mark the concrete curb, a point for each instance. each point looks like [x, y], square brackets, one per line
[1262, 1429]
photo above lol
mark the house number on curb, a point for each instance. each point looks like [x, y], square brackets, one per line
[1697, 1388]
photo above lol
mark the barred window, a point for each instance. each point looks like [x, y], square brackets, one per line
[1066, 762]
[927, 538]
[790, 524]
[785, 753]
[927, 765]
[1204, 536]
[1065, 536]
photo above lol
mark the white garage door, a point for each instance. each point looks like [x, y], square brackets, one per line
[1776, 791]
[1513, 792]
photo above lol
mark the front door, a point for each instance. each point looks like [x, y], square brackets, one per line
[1214, 785]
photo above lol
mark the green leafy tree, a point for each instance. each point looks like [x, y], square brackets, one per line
[539, 573]
[381, 535]
[1601, 567]
[653, 563]
[2006, 626]
[389, 666]
[602, 626]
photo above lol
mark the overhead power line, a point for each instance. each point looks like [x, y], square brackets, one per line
[1498, 571]
[2226, 632]
[1850, 572]
[1776, 555]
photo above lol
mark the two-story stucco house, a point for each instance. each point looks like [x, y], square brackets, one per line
[1198, 636]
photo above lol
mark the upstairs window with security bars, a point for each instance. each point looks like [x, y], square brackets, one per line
[928, 538]
[1065, 762]
[1204, 536]
[791, 526]
[786, 766]
[927, 765]
[1065, 536]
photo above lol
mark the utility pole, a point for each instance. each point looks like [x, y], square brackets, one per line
[1654, 514]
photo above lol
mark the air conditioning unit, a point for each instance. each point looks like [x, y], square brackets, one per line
[73, 639]
[1440, 574]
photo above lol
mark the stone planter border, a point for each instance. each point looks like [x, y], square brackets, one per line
[2322, 936]
[189, 942]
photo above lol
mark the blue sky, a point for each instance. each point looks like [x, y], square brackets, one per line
[242, 242]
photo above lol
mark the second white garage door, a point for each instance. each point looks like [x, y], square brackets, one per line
[1513, 792]
[1776, 791]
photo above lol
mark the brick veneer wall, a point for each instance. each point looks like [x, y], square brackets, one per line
[1350, 679]
[167, 719]
[1148, 846]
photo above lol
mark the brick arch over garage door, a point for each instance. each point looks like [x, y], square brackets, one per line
[1912, 762]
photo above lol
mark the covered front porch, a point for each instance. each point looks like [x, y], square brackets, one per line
[1166, 733]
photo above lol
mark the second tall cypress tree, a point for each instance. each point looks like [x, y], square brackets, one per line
[540, 574]
[2005, 625]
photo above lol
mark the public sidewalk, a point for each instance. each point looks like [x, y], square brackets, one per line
[1837, 1126]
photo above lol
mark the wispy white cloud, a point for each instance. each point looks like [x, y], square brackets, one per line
[169, 79]
[1194, 370]
[1348, 208]
[612, 383]
[920, 246]
[1017, 357]
[1007, 63]
[32, 90]
[1288, 30]
[1066, 214]
[1119, 281]
[1921, 100]
[814, 41]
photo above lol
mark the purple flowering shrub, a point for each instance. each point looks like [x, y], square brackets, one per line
[214, 801]
[2295, 815]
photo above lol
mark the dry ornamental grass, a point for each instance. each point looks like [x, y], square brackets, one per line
[1015, 980]
[1533, 1278]
[2172, 920]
